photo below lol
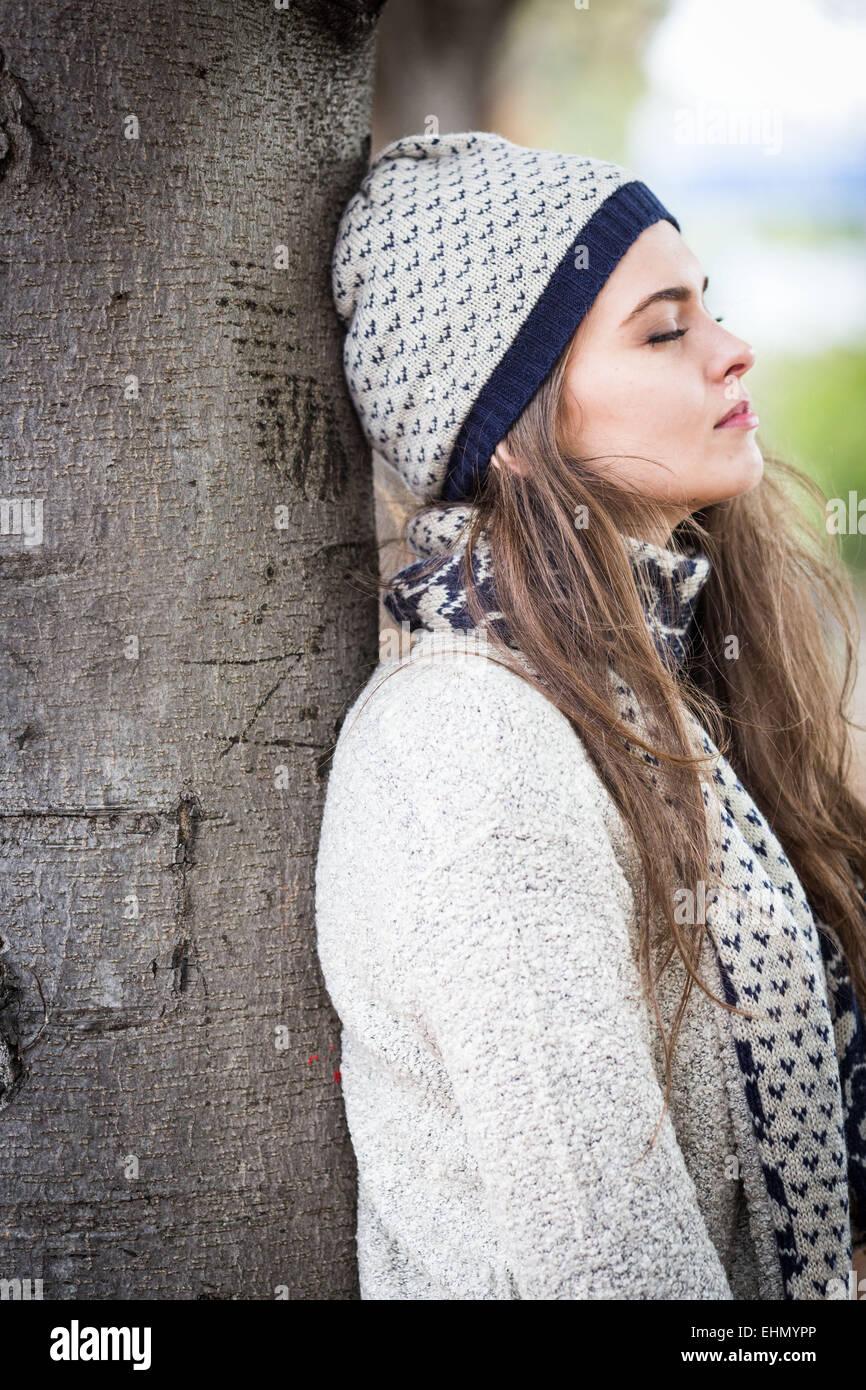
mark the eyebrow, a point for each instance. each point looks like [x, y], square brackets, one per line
[677, 292]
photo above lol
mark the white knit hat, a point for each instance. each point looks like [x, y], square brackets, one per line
[461, 269]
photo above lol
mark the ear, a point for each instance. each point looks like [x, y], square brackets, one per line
[501, 457]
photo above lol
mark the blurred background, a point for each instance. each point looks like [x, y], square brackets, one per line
[748, 120]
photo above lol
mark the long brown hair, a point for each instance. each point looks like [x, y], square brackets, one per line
[762, 676]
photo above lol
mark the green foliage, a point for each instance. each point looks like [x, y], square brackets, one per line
[567, 78]
[813, 413]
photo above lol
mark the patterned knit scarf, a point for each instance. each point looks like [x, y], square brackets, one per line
[802, 1060]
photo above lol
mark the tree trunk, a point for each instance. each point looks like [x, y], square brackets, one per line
[180, 643]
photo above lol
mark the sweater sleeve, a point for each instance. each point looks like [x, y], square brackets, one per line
[512, 945]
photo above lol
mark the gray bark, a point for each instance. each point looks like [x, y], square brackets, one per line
[175, 664]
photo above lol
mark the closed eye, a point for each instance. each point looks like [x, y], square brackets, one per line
[675, 333]
[667, 337]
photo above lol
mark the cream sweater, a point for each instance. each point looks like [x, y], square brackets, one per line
[502, 1074]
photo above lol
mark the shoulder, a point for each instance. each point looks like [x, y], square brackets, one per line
[460, 728]
[459, 796]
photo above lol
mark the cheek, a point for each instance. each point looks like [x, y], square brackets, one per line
[639, 400]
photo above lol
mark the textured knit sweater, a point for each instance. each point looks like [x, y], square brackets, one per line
[502, 1072]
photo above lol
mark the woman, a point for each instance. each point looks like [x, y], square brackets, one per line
[602, 1034]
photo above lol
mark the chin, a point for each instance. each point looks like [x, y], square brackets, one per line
[740, 474]
[753, 469]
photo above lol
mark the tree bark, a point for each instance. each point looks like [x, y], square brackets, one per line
[180, 644]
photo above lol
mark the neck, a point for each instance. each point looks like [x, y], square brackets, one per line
[658, 536]
[658, 530]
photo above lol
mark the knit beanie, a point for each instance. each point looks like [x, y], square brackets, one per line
[461, 270]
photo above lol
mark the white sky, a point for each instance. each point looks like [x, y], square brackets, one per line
[805, 61]
[795, 54]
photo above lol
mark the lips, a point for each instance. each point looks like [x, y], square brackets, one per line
[742, 407]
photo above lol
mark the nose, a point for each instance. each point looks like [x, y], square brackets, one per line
[738, 361]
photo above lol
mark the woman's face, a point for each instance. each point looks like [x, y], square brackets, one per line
[626, 394]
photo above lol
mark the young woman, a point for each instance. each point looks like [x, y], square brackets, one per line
[590, 878]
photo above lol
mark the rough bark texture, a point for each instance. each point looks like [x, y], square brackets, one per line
[176, 661]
